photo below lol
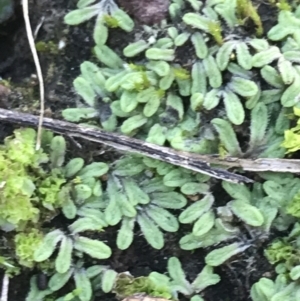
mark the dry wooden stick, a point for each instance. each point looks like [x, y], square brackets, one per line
[195, 162]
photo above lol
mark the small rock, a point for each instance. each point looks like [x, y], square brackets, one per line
[146, 11]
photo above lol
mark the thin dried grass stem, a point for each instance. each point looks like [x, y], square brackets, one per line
[5, 285]
[30, 38]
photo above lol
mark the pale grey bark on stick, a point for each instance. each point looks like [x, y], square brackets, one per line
[195, 162]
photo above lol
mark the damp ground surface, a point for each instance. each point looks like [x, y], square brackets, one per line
[59, 70]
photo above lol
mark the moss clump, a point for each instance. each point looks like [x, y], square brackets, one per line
[47, 47]
[17, 160]
[25, 245]
[129, 286]
[284, 252]
[30, 183]
[29, 187]
[246, 10]
[292, 135]
[279, 251]
[49, 188]
[293, 207]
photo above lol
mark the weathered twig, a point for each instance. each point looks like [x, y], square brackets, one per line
[195, 162]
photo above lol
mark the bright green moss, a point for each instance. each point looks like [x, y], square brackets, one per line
[284, 252]
[283, 5]
[50, 187]
[245, 10]
[215, 30]
[279, 251]
[181, 73]
[21, 148]
[111, 21]
[24, 183]
[292, 136]
[293, 207]
[47, 47]
[129, 286]
[17, 186]
[25, 245]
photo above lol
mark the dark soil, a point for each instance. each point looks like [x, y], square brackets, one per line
[59, 71]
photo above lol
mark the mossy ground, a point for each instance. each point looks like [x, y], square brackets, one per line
[59, 71]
